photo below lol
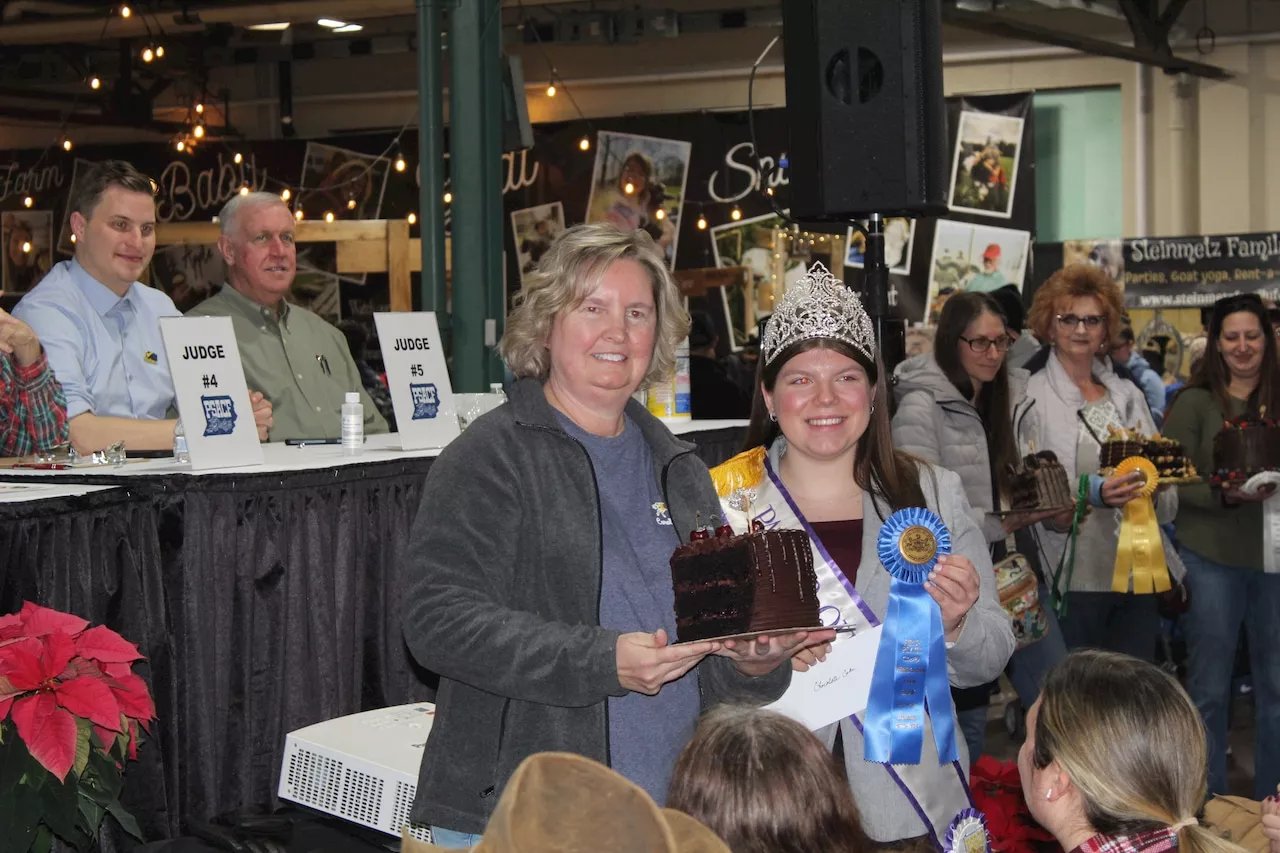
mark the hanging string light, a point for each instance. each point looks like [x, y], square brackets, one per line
[299, 215]
[551, 90]
[244, 190]
[735, 214]
[26, 247]
[328, 216]
[702, 222]
[285, 195]
[198, 131]
[351, 204]
[660, 214]
[66, 143]
[628, 188]
[148, 54]
[239, 158]
[95, 83]
[401, 165]
[181, 145]
[199, 109]
[584, 144]
[125, 12]
[448, 198]
[413, 218]
[159, 51]
[28, 201]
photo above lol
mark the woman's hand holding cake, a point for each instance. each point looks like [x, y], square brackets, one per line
[648, 661]
[761, 655]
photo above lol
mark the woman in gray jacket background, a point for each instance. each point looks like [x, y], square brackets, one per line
[1078, 396]
[958, 407]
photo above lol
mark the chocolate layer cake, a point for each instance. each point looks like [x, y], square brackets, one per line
[728, 585]
[1246, 446]
[1039, 482]
[1169, 456]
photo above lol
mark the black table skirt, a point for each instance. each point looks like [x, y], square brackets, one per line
[247, 593]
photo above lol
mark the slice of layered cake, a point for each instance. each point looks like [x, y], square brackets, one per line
[1039, 482]
[728, 585]
[1169, 456]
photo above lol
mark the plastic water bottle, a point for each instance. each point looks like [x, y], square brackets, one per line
[352, 425]
[180, 454]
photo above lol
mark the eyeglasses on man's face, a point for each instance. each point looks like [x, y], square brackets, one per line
[1001, 343]
[1072, 321]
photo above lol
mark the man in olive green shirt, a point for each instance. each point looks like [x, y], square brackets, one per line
[300, 361]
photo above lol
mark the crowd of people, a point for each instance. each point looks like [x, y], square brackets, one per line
[539, 589]
[82, 359]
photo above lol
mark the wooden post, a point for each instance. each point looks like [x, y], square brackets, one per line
[401, 282]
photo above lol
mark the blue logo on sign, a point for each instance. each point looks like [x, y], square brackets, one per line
[426, 402]
[219, 415]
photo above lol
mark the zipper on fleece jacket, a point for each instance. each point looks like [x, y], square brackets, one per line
[595, 485]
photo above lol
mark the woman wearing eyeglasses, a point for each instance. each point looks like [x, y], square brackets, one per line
[1077, 396]
[1220, 538]
[958, 407]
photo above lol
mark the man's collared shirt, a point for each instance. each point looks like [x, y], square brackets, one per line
[298, 360]
[105, 350]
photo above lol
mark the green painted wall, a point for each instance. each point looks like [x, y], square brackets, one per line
[1079, 152]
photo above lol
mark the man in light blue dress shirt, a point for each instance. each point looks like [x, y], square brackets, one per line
[101, 327]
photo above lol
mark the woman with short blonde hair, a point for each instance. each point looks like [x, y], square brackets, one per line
[1078, 398]
[539, 572]
[1114, 759]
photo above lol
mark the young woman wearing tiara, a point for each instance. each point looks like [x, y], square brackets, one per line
[820, 458]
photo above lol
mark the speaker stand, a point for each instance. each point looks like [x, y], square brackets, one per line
[891, 334]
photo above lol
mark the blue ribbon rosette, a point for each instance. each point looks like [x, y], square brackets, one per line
[911, 664]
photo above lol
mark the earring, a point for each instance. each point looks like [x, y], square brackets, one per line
[772, 416]
[1048, 795]
[873, 409]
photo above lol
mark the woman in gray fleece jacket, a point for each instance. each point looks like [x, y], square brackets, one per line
[540, 589]
[960, 407]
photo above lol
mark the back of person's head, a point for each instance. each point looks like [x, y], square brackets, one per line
[702, 331]
[1132, 744]
[1009, 298]
[557, 801]
[765, 784]
[97, 178]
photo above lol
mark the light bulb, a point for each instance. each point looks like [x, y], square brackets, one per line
[125, 11]
[159, 51]
[629, 188]
[284, 195]
[95, 83]
[66, 144]
[328, 216]
[198, 132]
[28, 201]
[26, 247]
[351, 204]
[180, 145]
[244, 191]
[148, 54]
[660, 214]
[239, 158]
[298, 216]
[551, 90]
[199, 109]
[584, 143]
[735, 214]
[401, 165]
[702, 223]
[448, 198]
[769, 191]
[413, 219]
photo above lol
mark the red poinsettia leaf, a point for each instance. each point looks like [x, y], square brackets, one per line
[91, 699]
[11, 626]
[58, 651]
[104, 645]
[116, 670]
[48, 731]
[23, 665]
[133, 697]
[40, 621]
[106, 737]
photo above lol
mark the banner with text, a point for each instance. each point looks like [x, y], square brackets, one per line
[1191, 272]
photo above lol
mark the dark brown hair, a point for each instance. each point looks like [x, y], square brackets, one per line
[765, 784]
[877, 467]
[99, 177]
[1074, 282]
[1213, 374]
[993, 402]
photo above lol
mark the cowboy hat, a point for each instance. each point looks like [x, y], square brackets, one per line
[557, 802]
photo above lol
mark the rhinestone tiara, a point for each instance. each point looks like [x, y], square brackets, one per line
[819, 306]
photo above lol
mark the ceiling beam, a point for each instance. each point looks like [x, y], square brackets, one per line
[1006, 28]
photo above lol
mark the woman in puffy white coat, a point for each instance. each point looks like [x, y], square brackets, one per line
[957, 407]
[1078, 395]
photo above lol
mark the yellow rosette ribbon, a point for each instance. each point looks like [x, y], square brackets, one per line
[1141, 552]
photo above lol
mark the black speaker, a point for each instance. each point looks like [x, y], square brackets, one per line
[866, 109]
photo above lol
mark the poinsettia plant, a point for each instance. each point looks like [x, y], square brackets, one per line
[997, 792]
[70, 709]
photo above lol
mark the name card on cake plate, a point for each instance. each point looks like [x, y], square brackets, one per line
[213, 399]
[836, 688]
[418, 378]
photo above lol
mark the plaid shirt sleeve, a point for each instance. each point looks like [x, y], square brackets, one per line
[32, 407]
